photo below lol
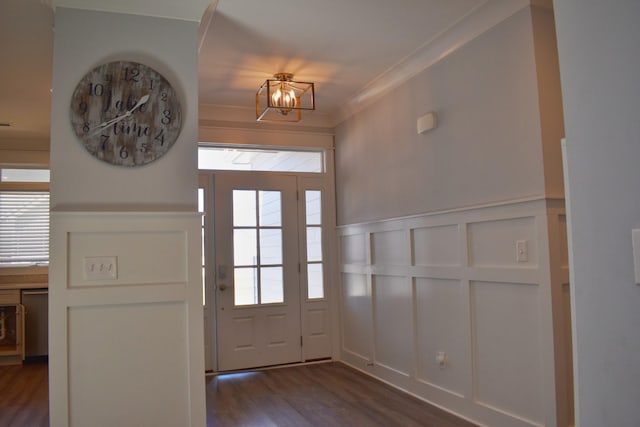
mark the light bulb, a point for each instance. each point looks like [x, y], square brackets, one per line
[275, 98]
[284, 99]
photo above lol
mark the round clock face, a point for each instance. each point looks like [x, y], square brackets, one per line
[126, 113]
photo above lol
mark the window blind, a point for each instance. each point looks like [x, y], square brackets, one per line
[24, 228]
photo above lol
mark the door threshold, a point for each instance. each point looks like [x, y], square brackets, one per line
[267, 368]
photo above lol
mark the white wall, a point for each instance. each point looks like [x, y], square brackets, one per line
[487, 147]
[85, 39]
[103, 372]
[599, 64]
[429, 225]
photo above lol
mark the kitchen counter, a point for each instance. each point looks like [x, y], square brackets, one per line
[24, 286]
[30, 280]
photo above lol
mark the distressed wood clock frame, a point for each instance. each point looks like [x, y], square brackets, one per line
[126, 113]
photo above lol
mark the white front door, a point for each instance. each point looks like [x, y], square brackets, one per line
[257, 270]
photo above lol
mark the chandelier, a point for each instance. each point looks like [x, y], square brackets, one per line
[282, 100]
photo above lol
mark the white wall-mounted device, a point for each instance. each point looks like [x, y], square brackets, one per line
[427, 121]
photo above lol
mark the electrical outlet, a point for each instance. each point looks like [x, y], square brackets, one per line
[101, 268]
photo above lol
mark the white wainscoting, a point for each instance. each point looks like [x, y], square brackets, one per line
[127, 351]
[451, 283]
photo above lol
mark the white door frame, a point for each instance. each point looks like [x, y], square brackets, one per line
[316, 345]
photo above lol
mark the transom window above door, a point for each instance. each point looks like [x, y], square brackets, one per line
[211, 157]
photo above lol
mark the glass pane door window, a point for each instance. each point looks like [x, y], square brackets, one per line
[257, 247]
[313, 224]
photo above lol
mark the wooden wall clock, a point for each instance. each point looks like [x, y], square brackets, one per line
[126, 113]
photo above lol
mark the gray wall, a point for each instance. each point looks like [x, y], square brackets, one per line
[599, 63]
[489, 143]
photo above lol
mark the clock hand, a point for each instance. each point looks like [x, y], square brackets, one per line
[140, 102]
[108, 123]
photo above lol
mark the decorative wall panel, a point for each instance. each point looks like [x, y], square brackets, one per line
[434, 246]
[392, 300]
[356, 315]
[389, 248]
[117, 377]
[442, 306]
[493, 243]
[136, 262]
[354, 249]
[506, 351]
[442, 326]
[139, 334]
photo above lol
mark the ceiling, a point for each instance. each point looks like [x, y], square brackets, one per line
[345, 47]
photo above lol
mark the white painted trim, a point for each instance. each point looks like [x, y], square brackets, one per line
[553, 201]
[191, 10]
[258, 137]
[205, 23]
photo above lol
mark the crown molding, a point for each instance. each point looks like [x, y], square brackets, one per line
[186, 10]
[476, 22]
[211, 115]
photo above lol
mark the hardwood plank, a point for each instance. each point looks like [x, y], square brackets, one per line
[24, 395]
[327, 394]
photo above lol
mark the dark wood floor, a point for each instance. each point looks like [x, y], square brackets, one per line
[24, 395]
[327, 394]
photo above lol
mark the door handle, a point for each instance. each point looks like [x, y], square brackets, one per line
[222, 287]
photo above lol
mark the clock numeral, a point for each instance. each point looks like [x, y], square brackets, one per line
[108, 77]
[83, 107]
[123, 152]
[86, 127]
[132, 74]
[104, 139]
[145, 147]
[151, 84]
[166, 117]
[160, 137]
[96, 89]
[164, 96]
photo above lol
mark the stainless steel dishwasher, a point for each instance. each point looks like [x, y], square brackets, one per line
[36, 324]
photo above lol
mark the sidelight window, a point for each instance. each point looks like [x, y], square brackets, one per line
[315, 277]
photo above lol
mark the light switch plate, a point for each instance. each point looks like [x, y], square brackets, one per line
[522, 251]
[635, 237]
[101, 268]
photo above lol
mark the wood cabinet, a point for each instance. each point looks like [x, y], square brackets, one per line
[11, 327]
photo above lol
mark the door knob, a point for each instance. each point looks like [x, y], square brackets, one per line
[222, 287]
